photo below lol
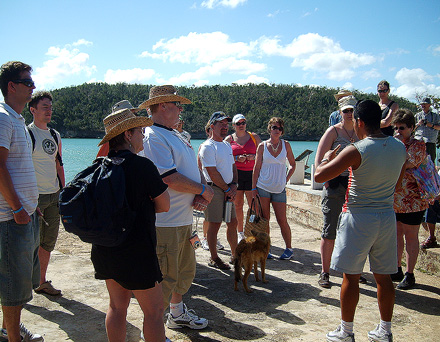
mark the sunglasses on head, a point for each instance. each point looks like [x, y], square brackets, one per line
[26, 81]
[382, 90]
[399, 128]
[276, 127]
[347, 110]
[241, 123]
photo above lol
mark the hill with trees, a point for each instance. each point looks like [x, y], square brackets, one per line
[78, 110]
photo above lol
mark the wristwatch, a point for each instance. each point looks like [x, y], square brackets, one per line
[324, 160]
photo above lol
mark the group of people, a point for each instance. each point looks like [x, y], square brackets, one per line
[371, 202]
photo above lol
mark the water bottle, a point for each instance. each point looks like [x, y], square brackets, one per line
[228, 211]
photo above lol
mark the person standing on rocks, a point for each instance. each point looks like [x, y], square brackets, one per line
[367, 225]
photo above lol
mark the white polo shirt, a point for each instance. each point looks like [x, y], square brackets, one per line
[217, 154]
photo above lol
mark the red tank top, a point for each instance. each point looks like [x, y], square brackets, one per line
[248, 148]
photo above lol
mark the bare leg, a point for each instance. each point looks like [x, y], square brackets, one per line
[265, 206]
[115, 320]
[11, 321]
[238, 201]
[231, 234]
[385, 296]
[44, 257]
[326, 247]
[211, 236]
[205, 228]
[400, 243]
[349, 296]
[280, 213]
[411, 233]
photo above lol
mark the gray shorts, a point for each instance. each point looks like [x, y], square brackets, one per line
[361, 234]
[331, 206]
[214, 211]
[48, 204]
[19, 265]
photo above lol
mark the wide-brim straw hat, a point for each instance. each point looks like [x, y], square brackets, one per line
[162, 94]
[121, 121]
[341, 93]
[124, 104]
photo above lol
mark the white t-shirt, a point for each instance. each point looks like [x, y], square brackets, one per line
[44, 158]
[170, 152]
[217, 154]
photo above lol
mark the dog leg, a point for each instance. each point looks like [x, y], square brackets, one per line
[263, 269]
[246, 276]
[256, 271]
[237, 273]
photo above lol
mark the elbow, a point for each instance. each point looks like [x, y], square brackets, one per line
[318, 177]
[163, 208]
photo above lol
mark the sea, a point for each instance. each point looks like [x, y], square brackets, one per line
[80, 153]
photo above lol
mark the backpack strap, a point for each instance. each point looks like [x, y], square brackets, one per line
[390, 104]
[32, 138]
[253, 138]
[54, 136]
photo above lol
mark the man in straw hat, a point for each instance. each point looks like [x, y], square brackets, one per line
[336, 117]
[177, 163]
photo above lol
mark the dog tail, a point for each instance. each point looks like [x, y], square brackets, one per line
[237, 267]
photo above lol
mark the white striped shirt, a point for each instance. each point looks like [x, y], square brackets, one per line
[15, 138]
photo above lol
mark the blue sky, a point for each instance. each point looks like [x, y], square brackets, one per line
[205, 42]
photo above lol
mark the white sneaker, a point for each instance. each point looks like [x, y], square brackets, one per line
[240, 236]
[219, 245]
[376, 336]
[187, 319]
[205, 244]
[25, 334]
[337, 335]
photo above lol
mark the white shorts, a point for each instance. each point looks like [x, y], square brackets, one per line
[361, 234]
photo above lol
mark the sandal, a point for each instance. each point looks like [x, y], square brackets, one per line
[218, 263]
[47, 288]
[430, 242]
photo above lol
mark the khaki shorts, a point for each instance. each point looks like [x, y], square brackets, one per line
[48, 204]
[215, 210]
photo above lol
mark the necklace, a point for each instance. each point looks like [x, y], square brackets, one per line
[275, 149]
[349, 136]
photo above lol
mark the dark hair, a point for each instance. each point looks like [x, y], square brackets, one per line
[207, 129]
[11, 71]
[370, 113]
[38, 96]
[384, 83]
[404, 116]
[118, 140]
[275, 120]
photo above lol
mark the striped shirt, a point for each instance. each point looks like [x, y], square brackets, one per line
[15, 138]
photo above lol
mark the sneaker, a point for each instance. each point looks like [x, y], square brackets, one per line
[187, 319]
[218, 263]
[397, 276]
[362, 280]
[219, 245]
[287, 254]
[324, 280]
[337, 335]
[26, 335]
[47, 288]
[430, 242]
[205, 245]
[376, 336]
[269, 256]
[408, 282]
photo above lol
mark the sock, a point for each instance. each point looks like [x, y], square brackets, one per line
[347, 327]
[385, 327]
[176, 309]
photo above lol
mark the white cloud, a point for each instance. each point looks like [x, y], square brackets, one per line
[274, 14]
[348, 85]
[415, 81]
[63, 63]
[210, 4]
[313, 52]
[373, 73]
[135, 75]
[82, 42]
[435, 50]
[309, 13]
[199, 48]
[252, 79]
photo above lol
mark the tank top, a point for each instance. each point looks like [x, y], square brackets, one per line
[387, 130]
[273, 170]
[344, 142]
[248, 148]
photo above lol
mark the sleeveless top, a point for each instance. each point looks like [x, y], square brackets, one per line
[273, 170]
[387, 130]
[344, 142]
[248, 148]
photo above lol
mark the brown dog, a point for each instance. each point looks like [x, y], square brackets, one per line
[248, 252]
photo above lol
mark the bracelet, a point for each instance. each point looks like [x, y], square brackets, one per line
[228, 189]
[17, 211]
[203, 189]
[324, 160]
[254, 189]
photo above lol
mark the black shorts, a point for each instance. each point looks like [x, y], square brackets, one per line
[244, 180]
[413, 219]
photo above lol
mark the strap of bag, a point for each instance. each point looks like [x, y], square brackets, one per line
[253, 138]
[258, 211]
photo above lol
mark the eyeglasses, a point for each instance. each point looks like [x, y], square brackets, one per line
[276, 127]
[382, 90]
[26, 81]
[400, 128]
[177, 103]
[241, 123]
[347, 110]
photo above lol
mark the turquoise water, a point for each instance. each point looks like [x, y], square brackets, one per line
[80, 153]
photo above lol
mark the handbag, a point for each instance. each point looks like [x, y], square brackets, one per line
[428, 180]
[255, 219]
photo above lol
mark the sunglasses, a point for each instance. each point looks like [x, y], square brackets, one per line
[26, 81]
[348, 110]
[382, 90]
[276, 127]
[400, 128]
[177, 103]
[241, 123]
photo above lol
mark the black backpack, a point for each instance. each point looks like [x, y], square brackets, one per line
[94, 204]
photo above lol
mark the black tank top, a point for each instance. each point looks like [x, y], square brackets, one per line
[387, 130]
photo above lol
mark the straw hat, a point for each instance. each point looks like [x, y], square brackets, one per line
[161, 94]
[124, 104]
[121, 121]
[347, 102]
[341, 93]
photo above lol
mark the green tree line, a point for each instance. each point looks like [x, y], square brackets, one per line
[78, 111]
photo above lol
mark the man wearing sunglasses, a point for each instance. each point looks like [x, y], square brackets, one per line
[19, 231]
[427, 127]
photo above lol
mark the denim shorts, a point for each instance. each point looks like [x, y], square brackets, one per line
[280, 198]
[19, 265]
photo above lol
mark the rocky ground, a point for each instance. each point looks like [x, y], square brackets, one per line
[290, 307]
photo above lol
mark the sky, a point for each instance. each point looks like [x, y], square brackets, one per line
[337, 44]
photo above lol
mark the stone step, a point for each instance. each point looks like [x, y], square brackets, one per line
[304, 208]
